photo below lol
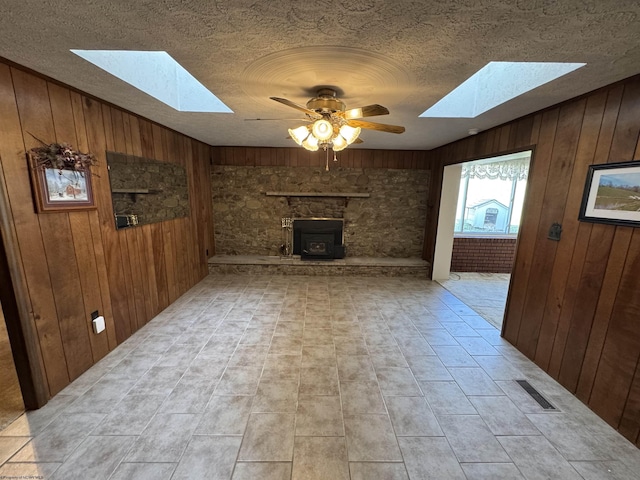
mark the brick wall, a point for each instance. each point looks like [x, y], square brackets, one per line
[491, 255]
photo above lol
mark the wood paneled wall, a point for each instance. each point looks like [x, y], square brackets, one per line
[299, 157]
[574, 304]
[76, 263]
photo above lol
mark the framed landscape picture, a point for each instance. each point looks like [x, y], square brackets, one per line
[612, 194]
[61, 190]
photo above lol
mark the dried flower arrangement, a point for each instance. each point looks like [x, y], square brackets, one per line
[62, 156]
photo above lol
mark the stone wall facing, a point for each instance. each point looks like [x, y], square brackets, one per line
[164, 185]
[390, 223]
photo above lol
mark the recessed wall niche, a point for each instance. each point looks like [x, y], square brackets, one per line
[146, 191]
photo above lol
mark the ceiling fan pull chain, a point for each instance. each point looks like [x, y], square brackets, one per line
[327, 160]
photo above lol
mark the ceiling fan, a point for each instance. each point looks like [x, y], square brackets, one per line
[331, 125]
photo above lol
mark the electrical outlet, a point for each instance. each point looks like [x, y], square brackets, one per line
[98, 324]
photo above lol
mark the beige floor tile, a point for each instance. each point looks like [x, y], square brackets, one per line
[428, 368]
[249, 356]
[164, 439]
[502, 416]
[276, 395]
[208, 457]
[319, 416]
[225, 415]
[239, 381]
[319, 380]
[144, 471]
[130, 416]
[370, 471]
[355, 368]
[320, 458]
[370, 438]
[361, 397]
[441, 462]
[446, 398]
[55, 443]
[350, 345]
[318, 355]
[454, 356]
[537, 459]
[474, 381]
[498, 367]
[397, 381]
[10, 445]
[491, 471]
[262, 471]
[471, 439]
[285, 345]
[412, 417]
[97, 457]
[40, 471]
[190, 395]
[268, 438]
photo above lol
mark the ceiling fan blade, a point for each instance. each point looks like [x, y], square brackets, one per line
[358, 140]
[274, 119]
[289, 103]
[368, 111]
[380, 127]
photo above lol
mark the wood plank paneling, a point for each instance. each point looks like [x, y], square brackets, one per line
[573, 305]
[566, 136]
[526, 258]
[100, 138]
[621, 349]
[299, 157]
[77, 263]
[27, 228]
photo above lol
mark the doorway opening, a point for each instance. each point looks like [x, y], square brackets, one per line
[11, 402]
[480, 210]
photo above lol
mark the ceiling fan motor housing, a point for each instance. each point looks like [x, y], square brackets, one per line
[326, 102]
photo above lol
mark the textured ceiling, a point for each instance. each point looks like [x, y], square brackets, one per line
[402, 54]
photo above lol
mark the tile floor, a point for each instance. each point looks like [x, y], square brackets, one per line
[485, 293]
[284, 377]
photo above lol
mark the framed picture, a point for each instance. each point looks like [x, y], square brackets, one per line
[612, 194]
[60, 190]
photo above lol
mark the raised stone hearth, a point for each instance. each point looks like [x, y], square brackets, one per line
[350, 266]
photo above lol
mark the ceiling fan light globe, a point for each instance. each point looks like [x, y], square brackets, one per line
[349, 133]
[322, 129]
[339, 143]
[299, 134]
[310, 143]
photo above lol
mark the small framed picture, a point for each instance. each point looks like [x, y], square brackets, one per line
[612, 194]
[60, 190]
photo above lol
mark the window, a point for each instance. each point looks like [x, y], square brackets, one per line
[491, 195]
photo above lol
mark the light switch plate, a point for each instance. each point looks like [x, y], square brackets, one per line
[98, 324]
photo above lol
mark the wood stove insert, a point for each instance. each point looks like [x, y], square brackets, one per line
[318, 238]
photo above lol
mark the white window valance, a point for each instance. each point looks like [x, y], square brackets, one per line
[506, 170]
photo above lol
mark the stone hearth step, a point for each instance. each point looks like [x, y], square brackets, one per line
[350, 266]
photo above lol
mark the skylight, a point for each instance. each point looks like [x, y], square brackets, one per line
[495, 84]
[158, 75]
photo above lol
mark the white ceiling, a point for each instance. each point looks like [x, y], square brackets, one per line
[403, 54]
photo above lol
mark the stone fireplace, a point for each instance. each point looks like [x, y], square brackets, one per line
[318, 238]
[389, 222]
